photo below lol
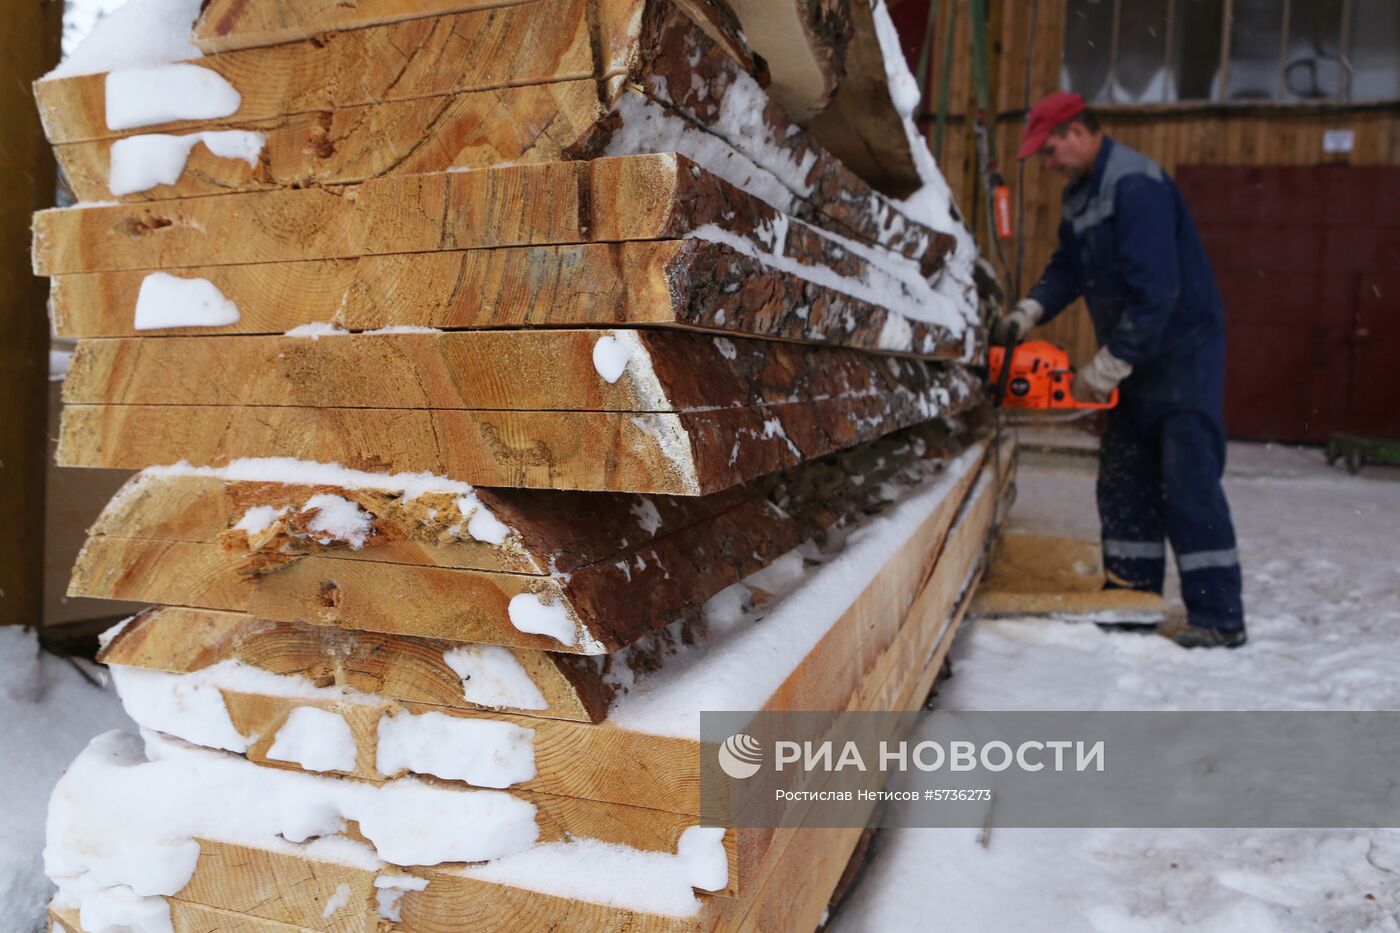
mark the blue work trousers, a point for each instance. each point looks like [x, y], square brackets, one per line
[1161, 462]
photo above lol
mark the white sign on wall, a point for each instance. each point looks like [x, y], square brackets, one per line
[1338, 140]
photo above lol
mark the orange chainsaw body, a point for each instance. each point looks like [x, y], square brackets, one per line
[1041, 378]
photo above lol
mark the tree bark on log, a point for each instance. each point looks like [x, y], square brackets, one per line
[862, 127]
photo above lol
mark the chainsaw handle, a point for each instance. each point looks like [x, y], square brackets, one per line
[1087, 406]
[1099, 406]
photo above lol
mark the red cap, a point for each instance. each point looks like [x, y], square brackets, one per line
[1053, 110]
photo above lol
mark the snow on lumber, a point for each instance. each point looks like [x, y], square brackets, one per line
[148, 845]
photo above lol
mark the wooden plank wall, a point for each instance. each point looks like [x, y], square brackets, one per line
[1174, 135]
[26, 184]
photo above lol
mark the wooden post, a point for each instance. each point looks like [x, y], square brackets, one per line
[26, 184]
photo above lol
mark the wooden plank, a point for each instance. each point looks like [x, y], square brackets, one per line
[1051, 575]
[412, 670]
[679, 283]
[548, 531]
[227, 24]
[480, 129]
[234, 24]
[686, 453]
[186, 917]
[803, 865]
[804, 43]
[626, 198]
[481, 370]
[810, 865]
[431, 56]
[28, 170]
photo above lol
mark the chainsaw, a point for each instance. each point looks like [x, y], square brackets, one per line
[1038, 378]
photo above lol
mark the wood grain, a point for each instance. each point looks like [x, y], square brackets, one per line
[480, 370]
[625, 198]
[231, 24]
[686, 453]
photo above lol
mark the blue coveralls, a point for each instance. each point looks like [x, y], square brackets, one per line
[1129, 246]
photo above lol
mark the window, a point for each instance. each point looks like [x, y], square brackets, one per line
[1160, 51]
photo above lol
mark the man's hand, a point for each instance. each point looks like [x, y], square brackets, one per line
[1010, 328]
[1096, 381]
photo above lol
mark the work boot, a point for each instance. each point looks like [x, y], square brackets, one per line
[1201, 636]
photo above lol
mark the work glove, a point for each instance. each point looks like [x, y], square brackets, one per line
[1010, 328]
[1097, 380]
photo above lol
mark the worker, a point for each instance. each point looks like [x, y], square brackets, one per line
[1128, 246]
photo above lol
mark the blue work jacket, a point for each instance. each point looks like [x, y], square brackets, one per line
[1129, 246]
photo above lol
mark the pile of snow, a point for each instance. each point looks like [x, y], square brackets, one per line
[134, 34]
[125, 819]
[142, 162]
[531, 614]
[654, 882]
[159, 94]
[491, 676]
[483, 752]
[51, 710]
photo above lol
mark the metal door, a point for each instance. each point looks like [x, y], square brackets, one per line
[1307, 260]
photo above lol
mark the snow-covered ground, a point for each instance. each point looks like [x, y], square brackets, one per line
[1321, 554]
[50, 711]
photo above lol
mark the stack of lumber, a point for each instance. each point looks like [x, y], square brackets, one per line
[509, 383]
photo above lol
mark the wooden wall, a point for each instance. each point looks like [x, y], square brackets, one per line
[1174, 135]
[26, 184]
